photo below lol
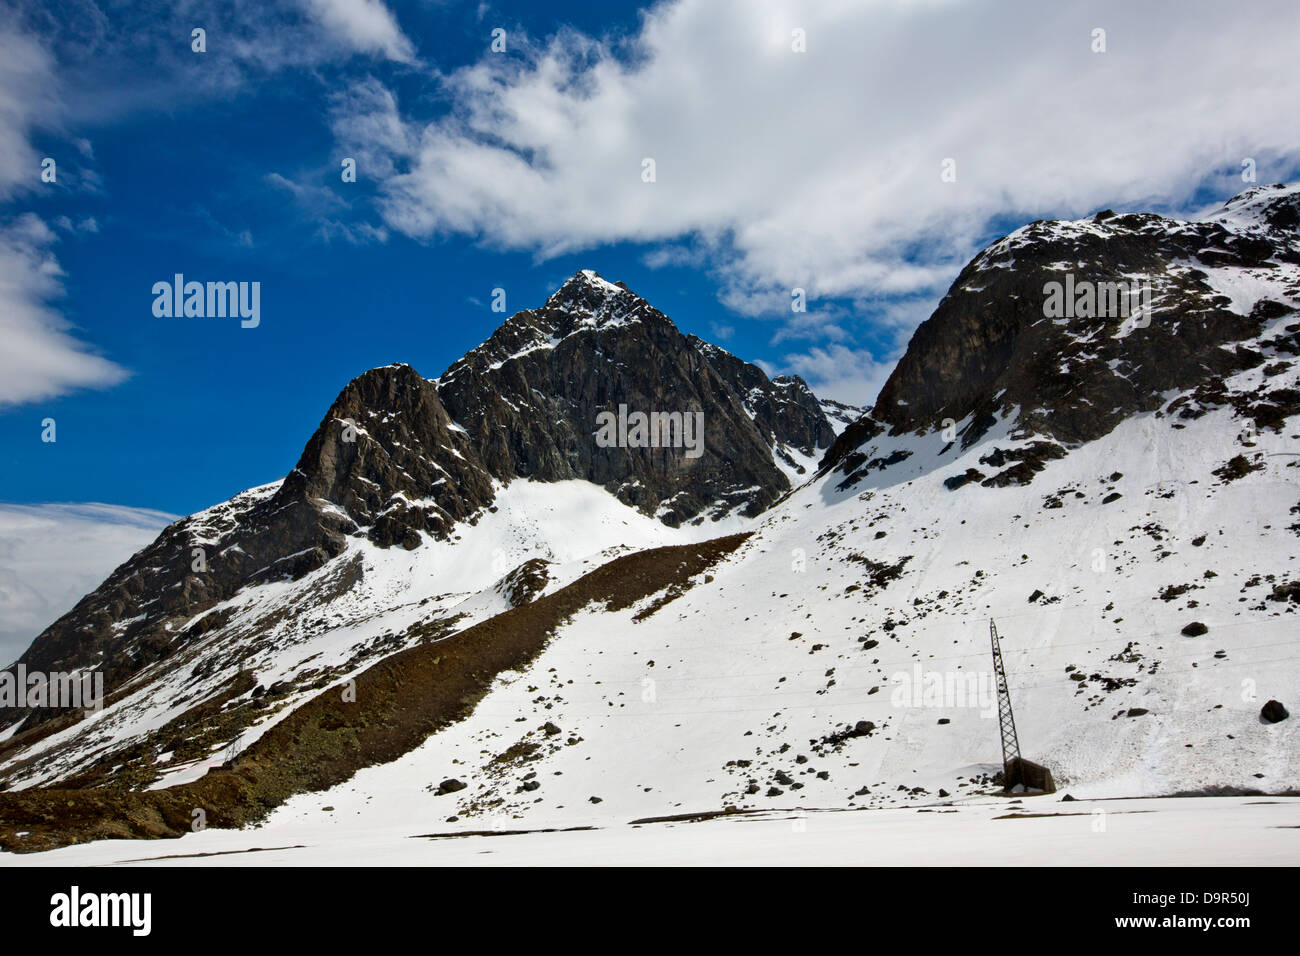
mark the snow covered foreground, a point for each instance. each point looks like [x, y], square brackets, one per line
[1196, 831]
[740, 692]
[1145, 585]
[839, 659]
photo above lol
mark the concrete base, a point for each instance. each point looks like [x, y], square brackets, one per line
[1034, 777]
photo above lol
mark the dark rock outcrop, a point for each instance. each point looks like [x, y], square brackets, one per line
[399, 459]
[990, 350]
[530, 396]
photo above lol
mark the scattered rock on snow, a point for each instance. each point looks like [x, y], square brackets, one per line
[1286, 592]
[1274, 712]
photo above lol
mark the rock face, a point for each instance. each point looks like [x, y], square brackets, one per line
[398, 457]
[529, 399]
[788, 415]
[990, 350]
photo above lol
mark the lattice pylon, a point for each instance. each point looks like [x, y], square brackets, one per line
[1006, 721]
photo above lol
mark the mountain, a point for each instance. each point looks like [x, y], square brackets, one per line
[401, 461]
[1208, 289]
[528, 398]
[1117, 490]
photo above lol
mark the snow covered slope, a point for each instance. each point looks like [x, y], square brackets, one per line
[1120, 496]
[873, 606]
[277, 644]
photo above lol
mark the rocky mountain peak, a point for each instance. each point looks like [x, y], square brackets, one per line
[590, 300]
[1196, 292]
[531, 398]
[399, 460]
[1067, 328]
[1274, 209]
[585, 303]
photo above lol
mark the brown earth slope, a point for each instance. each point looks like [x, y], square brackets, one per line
[399, 703]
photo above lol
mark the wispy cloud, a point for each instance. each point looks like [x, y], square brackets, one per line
[26, 96]
[51, 555]
[41, 357]
[823, 169]
[366, 25]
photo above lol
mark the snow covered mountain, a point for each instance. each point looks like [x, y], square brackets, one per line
[439, 468]
[1092, 440]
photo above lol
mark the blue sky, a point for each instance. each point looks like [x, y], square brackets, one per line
[777, 168]
[208, 408]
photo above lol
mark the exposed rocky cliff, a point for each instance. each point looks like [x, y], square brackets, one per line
[1143, 307]
[400, 459]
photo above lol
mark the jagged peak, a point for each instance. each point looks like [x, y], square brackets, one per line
[588, 300]
[376, 386]
[583, 303]
[791, 381]
[1273, 207]
[589, 280]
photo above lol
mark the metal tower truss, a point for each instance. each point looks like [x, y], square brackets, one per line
[1006, 720]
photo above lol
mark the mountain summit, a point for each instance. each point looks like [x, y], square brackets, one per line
[401, 460]
[463, 590]
[1067, 328]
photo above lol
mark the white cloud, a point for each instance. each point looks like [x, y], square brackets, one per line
[53, 555]
[310, 196]
[840, 372]
[366, 25]
[822, 169]
[26, 96]
[86, 225]
[40, 358]
[835, 369]
[366, 119]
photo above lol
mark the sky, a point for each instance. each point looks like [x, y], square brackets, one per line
[860, 150]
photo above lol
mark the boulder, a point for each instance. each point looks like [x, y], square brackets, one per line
[1273, 712]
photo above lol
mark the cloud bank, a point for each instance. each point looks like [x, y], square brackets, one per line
[52, 555]
[823, 168]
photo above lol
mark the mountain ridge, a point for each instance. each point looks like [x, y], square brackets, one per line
[402, 459]
[777, 670]
[990, 350]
